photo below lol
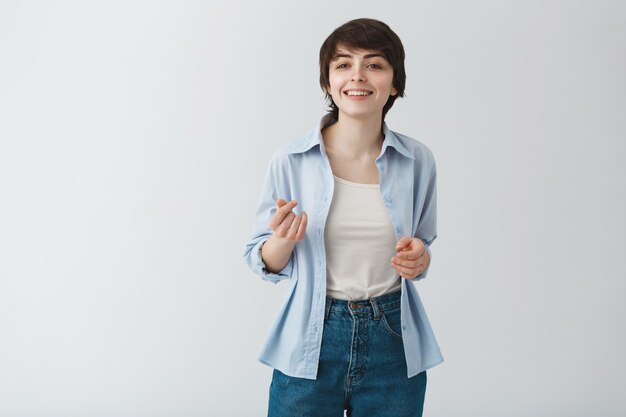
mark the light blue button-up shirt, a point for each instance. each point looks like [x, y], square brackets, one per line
[300, 170]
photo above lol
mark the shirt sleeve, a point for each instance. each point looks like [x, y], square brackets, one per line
[427, 226]
[266, 209]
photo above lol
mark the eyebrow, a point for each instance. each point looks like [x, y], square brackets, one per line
[337, 56]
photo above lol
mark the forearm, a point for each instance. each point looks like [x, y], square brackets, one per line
[276, 252]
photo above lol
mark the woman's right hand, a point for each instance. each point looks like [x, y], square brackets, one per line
[286, 224]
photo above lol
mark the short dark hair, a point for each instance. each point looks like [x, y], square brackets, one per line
[364, 34]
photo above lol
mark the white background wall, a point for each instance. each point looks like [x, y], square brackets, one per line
[133, 140]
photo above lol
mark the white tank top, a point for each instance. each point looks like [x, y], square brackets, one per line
[360, 242]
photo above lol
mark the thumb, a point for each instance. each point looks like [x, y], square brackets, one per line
[280, 202]
[403, 242]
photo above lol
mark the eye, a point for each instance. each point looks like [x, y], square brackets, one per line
[375, 66]
[342, 65]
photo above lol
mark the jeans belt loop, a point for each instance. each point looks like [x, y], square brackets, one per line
[374, 303]
[329, 301]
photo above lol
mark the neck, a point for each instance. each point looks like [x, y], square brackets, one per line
[355, 137]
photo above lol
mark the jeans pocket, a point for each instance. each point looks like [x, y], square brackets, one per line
[391, 322]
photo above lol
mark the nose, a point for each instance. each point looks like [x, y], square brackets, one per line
[358, 74]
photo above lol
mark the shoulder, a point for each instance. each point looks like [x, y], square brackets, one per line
[309, 140]
[299, 145]
[288, 155]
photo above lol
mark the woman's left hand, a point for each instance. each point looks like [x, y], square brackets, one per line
[411, 257]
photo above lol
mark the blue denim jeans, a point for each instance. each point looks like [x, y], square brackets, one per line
[362, 368]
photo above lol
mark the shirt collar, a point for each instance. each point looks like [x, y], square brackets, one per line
[391, 139]
[314, 137]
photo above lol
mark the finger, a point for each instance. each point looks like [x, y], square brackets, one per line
[293, 229]
[407, 263]
[302, 228]
[280, 214]
[287, 205]
[407, 273]
[282, 229]
[415, 248]
[408, 255]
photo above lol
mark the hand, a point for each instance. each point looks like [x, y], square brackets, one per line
[411, 257]
[286, 224]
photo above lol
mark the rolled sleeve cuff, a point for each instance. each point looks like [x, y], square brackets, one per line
[260, 268]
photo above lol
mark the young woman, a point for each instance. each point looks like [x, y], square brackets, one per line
[352, 333]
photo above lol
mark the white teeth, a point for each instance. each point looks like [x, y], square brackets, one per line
[358, 93]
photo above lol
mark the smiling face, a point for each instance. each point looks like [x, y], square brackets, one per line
[361, 82]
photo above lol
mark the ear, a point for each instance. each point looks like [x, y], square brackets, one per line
[394, 91]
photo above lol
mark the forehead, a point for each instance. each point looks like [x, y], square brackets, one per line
[342, 51]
